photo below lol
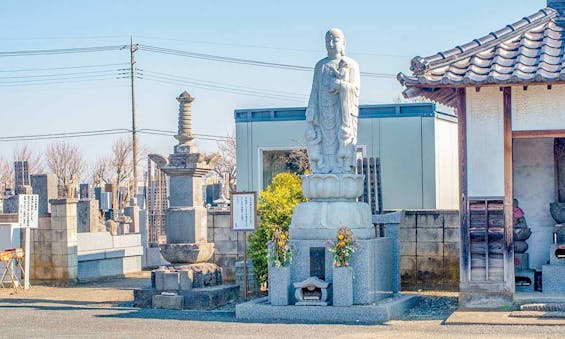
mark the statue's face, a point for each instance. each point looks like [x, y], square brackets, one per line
[335, 43]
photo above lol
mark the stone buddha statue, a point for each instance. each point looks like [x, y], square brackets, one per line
[333, 110]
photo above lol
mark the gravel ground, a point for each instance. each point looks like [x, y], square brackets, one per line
[435, 305]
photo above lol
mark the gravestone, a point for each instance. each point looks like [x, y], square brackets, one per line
[84, 191]
[44, 185]
[88, 216]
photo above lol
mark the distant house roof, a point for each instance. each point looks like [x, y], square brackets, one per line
[527, 51]
[365, 112]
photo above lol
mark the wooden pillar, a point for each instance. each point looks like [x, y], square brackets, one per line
[509, 279]
[464, 248]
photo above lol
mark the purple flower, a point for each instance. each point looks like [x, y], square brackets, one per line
[270, 244]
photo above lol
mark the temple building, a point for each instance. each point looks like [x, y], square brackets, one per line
[508, 89]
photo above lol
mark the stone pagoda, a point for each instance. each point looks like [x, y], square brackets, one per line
[191, 281]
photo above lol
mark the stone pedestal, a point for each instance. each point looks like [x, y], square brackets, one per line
[316, 221]
[320, 220]
[342, 286]
[552, 278]
[371, 264]
[279, 285]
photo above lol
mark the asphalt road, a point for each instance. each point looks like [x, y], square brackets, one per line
[28, 319]
[95, 310]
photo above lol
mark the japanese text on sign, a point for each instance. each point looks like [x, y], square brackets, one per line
[243, 211]
[28, 210]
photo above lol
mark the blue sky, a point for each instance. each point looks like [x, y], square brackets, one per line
[382, 36]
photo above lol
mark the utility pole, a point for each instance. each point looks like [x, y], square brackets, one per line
[133, 49]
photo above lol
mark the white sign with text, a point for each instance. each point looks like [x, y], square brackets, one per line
[28, 206]
[243, 211]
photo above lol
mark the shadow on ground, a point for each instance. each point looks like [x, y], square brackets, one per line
[432, 308]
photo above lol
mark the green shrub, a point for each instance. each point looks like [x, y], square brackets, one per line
[274, 207]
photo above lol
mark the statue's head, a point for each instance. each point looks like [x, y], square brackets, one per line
[335, 42]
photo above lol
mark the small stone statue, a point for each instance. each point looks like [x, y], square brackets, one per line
[521, 230]
[333, 110]
[112, 227]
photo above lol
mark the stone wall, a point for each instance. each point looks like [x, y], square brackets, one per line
[54, 243]
[429, 249]
[228, 244]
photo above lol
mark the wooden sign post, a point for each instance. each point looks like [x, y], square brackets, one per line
[243, 218]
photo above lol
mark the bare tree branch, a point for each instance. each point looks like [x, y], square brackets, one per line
[6, 176]
[26, 153]
[100, 171]
[226, 165]
[66, 161]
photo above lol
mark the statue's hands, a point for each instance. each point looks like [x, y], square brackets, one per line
[335, 86]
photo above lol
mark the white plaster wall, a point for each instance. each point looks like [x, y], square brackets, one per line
[538, 108]
[534, 187]
[447, 171]
[485, 142]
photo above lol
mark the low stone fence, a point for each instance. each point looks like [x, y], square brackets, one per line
[429, 249]
[103, 255]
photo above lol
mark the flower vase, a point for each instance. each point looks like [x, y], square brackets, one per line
[342, 286]
[279, 284]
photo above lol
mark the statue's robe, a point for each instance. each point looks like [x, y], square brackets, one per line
[335, 115]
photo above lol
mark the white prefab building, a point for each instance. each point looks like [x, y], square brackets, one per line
[415, 144]
[509, 93]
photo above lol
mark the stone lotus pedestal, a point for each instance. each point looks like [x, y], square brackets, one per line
[279, 285]
[342, 286]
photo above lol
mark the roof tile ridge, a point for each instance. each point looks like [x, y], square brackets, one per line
[420, 65]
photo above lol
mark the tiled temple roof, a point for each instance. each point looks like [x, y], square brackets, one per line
[528, 51]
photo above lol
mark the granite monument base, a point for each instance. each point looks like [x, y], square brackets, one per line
[207, 298]
[552, 278]
[260, 310]
[371, 264]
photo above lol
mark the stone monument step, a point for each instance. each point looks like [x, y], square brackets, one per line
[391, 308]
[544, 307]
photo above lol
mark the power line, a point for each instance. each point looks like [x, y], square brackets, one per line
[223, 86]
[66, 38]
[218, 58]
[63, 51]
[171, 133]
[63, 135]
[60, 80]
[291, 94]
[60, 68]
[102, 132]
[208, 87]
[60, 74]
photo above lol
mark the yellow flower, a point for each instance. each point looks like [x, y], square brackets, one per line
[341, 243]
[283, 236]
[340, 237]
[281, 243]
